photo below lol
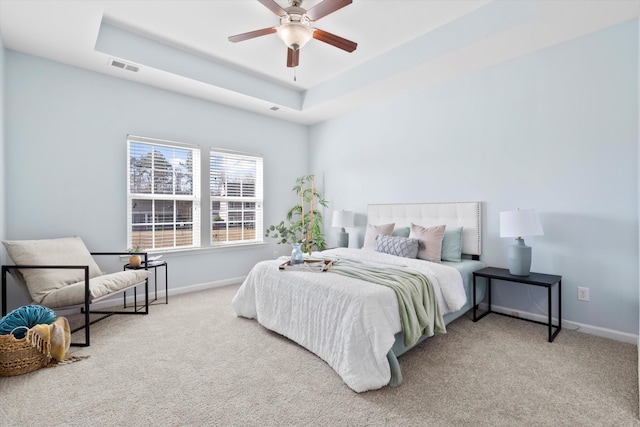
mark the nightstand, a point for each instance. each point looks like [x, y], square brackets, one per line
[536, 279]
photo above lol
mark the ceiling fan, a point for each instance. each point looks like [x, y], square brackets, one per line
[295, 27]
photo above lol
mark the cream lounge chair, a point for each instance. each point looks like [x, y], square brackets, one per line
[62, 274]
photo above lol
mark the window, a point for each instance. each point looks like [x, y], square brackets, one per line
[163, 194]
[235, 185]
[168, 198]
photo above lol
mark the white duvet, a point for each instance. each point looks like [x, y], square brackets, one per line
[349, 323]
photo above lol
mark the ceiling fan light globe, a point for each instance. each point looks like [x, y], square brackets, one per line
[294, 34]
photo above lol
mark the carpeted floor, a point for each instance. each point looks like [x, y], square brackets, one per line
[194, 363]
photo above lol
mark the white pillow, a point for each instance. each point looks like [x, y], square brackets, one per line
[372, 233]
[431, 238]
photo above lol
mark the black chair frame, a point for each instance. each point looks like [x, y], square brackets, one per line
[84, 308]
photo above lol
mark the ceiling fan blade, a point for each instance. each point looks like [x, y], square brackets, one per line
[273, 7]
[251, 34]
[326, 7]
[293, 57]
[334, 40]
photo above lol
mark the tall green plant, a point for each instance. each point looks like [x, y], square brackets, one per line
[305, 220]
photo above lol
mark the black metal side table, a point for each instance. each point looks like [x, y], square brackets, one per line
[536, 279]
[154, 265]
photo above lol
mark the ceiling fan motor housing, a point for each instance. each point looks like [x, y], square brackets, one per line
[295, 14]
[295, 28]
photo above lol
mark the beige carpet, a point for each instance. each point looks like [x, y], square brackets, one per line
[193, 363]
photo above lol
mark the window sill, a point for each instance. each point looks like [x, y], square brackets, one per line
[203, 249]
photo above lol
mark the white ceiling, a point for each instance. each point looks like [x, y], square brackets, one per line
[403, 45]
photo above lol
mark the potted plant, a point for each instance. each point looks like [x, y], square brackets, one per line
[134, 259]
[305, 220]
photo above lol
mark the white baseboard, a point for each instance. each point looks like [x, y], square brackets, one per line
[566, 324]
[203, 286]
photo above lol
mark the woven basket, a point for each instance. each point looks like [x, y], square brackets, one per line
[18, 357]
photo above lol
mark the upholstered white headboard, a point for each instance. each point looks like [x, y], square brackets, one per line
[453, 214]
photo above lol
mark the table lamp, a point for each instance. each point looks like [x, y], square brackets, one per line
[342, 219]
[518, 223]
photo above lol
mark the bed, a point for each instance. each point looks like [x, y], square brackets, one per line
[355, 325]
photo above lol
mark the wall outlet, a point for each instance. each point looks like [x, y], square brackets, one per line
[583, 293]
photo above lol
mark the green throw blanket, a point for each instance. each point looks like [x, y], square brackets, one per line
[419, 309]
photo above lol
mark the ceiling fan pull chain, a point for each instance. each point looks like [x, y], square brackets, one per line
[294, 74]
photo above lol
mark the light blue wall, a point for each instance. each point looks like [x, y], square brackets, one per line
[556, 130]
[66, 157]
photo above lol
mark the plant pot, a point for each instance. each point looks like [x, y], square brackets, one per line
[135, 261]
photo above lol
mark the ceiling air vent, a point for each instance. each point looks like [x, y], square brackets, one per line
[118, 63]
[123, 65]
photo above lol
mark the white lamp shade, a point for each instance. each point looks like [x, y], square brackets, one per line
[342, 219]
[295, 34]
[519, 223]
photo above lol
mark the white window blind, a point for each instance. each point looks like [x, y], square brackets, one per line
[163, 194]
[236, 197]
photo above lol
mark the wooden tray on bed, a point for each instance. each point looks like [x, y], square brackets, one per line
[317, 265]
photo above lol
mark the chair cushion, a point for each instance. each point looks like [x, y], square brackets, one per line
[63, 251]
[73, 294]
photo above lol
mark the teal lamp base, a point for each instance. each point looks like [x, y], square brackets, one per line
[519, 258]
[343, 239]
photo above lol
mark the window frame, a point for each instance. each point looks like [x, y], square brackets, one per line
[202, 199]
[257, 198]
[153, 197]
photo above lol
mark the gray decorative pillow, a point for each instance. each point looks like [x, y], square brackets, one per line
[398, 246]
